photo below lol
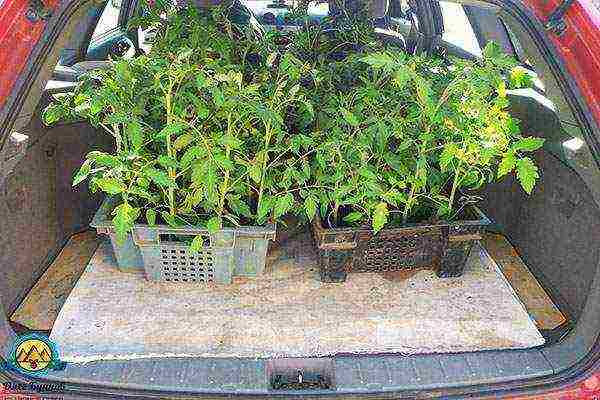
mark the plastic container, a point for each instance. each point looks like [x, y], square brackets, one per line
[163, 252]
[443, 247]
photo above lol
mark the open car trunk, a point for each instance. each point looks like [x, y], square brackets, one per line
[513, 295]
[524, 308]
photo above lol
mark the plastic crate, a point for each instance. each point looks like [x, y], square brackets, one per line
[444, 247]
[163, 252]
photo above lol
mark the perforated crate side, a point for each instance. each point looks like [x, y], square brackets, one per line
[240, 251]
[395, 250]
[174, 263]
[167, 257]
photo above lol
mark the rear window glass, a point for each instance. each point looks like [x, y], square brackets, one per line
[457, 28]
[109, 20]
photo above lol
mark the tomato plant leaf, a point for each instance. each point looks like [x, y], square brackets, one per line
[110, 185]
[527, 173]
[507, 164]
[382, 60]
[218, 97]
[135, 134]
[353, 217]
[350, 118]
[104, 159]
[283, 204]
[230, 141]
[182, 141]
[169, 219]
[171, 129]
[124, 216]
[214, 224]
[151, 217]
[239, 207]
[264, 207]
[190, 155]
[159, 177]
[255, 171]
[82, 173]
[166, 161]
[528, 144]
[197, 244]
[447, 156]
[310, 207]
[380, 216]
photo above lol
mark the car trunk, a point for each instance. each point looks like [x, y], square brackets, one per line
[524, 308]
[62, 279]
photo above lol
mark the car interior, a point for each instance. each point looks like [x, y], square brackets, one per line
[528, 308]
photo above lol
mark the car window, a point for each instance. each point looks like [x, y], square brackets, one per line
[457, 28]
[108, 22]
[271, 12]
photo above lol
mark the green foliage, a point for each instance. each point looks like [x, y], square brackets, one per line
[222, 124]
[199, 136]
[406, 138]
[527, 173]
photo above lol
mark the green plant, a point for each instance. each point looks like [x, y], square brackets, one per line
[334, 39]
[198, 141]
[410, 138]
[226, 35]
[223, 124]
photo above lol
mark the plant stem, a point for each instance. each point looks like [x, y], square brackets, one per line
[113, 134]
[336, 208]
[408, 205]
[267, 142]
[454, 187]
[225, 187]
[411, 195]
[455, 182]
[168, 105]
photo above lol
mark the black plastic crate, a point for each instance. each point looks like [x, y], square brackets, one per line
[443, 247]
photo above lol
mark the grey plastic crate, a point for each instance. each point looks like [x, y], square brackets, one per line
[163, 253]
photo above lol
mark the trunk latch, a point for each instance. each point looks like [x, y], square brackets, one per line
[300, 381]
[301, 374]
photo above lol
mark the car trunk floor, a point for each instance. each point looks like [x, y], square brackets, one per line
[540, 307]
[39, 309]
[288, 312]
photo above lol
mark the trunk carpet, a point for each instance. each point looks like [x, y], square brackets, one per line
[42, 304]
[289, 313]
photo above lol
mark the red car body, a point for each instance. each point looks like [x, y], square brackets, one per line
[578, 45]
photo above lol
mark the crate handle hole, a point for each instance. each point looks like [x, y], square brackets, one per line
[183, 239]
